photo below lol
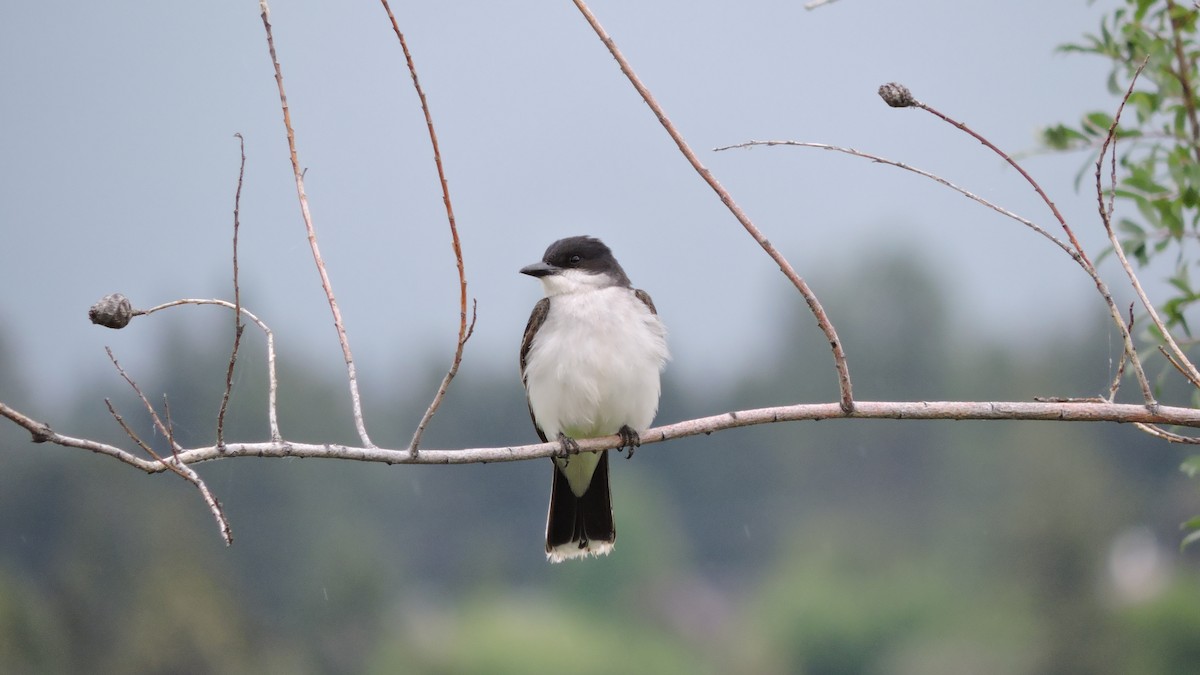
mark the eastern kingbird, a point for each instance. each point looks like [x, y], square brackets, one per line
[590, 361]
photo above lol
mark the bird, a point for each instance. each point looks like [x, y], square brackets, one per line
[591, 362]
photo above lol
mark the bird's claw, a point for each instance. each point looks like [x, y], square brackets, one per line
[630, 440]
[566, 447]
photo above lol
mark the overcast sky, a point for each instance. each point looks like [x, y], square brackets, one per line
[118, 166]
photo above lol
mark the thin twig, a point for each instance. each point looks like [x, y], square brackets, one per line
[158, 423]
[272, 381]
[441, 392]
[175, 465]
[814, 4]
[464, 332]
[132, 435]
[1166, 435]
[1116, 383]
[189, 474]
[898, 96]
[961, 126]
[846, 398]
[355, 400]
[1180, 359]
[920, 172]
[238, 327]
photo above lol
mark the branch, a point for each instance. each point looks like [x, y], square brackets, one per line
[238, 328]
[839, 356]
[272, 381]
[355, 400]
[182, 470]
[1185, 65]
[920, 172]
[464, 331]
[1068, 410]
[899, 96]
[1180, 359]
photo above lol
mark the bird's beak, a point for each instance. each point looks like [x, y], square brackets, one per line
[539, 269]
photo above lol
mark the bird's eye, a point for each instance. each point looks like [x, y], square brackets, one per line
[575, 260]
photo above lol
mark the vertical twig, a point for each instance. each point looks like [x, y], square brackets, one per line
[1185, 66]
[238, 327]
[464, 331]
[355, 400]
[839, 356]
[1181, 360]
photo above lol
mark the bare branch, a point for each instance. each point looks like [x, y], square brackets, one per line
[839, 356]
[1116, 383]
[814, 4]
[441, 392]
[1167, 435]
[237, 297]
[1061, 410]
[272, 381]
[42, 433]
[920, 172]
[158, 423]
[899, 96]
[464, 333]
[355, 400]
[130, 432]
[189, 474]
[1178, 358]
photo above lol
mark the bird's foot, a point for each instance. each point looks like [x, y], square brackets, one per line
[566, 447]
[630, 440]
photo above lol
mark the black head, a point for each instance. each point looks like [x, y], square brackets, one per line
[584, 253]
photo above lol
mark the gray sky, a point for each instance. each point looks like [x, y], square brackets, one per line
[118, 166]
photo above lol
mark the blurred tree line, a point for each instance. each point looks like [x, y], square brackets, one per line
[844, 546]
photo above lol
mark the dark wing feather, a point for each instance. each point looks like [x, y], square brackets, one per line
[645, 298]
[536, 319]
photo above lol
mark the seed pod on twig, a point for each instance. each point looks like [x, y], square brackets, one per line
[112, 311]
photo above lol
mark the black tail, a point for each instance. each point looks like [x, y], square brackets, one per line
[580, 526]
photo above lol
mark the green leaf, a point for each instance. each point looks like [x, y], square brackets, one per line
[1097, 123]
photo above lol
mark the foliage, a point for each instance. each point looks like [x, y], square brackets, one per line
[1157, 155]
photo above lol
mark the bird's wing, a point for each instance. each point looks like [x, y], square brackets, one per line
[641, 295]
[536, 319]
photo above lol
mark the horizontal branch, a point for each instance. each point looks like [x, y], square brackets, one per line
[1062, 411]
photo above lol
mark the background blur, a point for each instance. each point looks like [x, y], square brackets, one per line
[868, 547]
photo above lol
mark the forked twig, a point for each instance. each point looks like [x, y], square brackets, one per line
[464, 331]
[814, 305]
[158, 423]
[175, 465]
[355, 400]
[238, 327]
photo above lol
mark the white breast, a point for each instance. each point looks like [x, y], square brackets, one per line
[594, 365]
